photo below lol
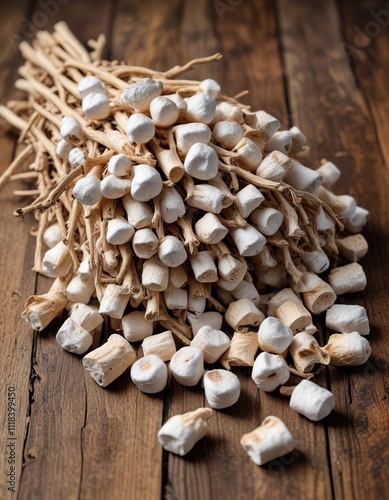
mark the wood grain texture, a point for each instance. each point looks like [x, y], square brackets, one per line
[326, 94]
[82, 441]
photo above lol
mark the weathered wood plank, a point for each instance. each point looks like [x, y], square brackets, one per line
[323, 92]
[17, 281]
[54, 445]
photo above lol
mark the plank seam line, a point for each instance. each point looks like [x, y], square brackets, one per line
[82, 439]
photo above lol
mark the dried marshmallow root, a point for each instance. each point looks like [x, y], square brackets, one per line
[312, 401]
[242, 313]
[347, 279]
[347, 319]
[306, 352]
[161, 344]
[149, 374]
[136, 327]
[108, 362]
[181, 432]
[348, 349]
[274, 336]
[270, 371]
[187, 365]
[243, 348]
[271, 440]
[86, 316]
[212, 342]
[73, 337]
[222, 388]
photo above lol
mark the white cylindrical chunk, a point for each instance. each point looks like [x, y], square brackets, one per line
[242, 350]
[243, 313]
[179, 102]
[140, 94]
[88, 190]
[347, 319]
[210, 230]
[227, 134]
[136, 327]
[250, 156]
[119, 231]
[312, 401]
[294, 315]
[267, 220]
[302, 178]
[146, 183]
[210, 87]
[357, 220]
[90, 85]
[86, 316]
[71, 129]
[76, 157]
[108, 362]
[172, 252]
[80, 290]
[155, 275]
[246, 290]
[96, 106]
[208, 198]
[187, 365]
[306, 352]
[74, 338]
[201, 162]
[200, 108]
[324, 221]
[248, 240]
[139, 214]
[176, 298]
[161, 344]
[120, 165]
[226, 111]
[228, 286]
[149, 374]
[211, 318]
[343, 205]
[63, 149]
[204, 267]
[114, 301]
[347, 279]
[299, 141]
[140, 128]
[269, 441]
[248, 199]
[178, 276]
[352, 247]
[274, 336]
[181, 432]
[280, 141]
[164, 112]
[317, 294]
[172, 205]
[348, 349]
[231, 269]
[316, 262]
[196, 305]
[270, 371]
[212, 342]
[114, 187]
[222, 388]
[191, 133]
[52, 235]
[145, 243]
[330, 174]
[57, 260]
[265, 123]
[274, 167]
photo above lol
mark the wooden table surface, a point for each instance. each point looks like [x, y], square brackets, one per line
[317, 64]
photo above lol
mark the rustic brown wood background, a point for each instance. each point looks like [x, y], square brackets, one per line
[318, 64]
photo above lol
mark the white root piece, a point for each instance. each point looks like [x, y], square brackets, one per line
[108, 362]
[71, 130]
[316, 261]
[303, 178]
[246, 290]
[200, 108]
[248, 240]
[271, 440]
[196, 305]
[250, 156]
[343, 205]
[243, 313]
[172, 205]
[248, 199]
[274, 336]
[139, 214]
[274, 166]
[90, 85]
[348, 349]
[347, 279]
[163, 111]
[226, 111]
[172, 252]
[114, 301]
[270, 371]
[330, 174]
[119, 231]
[149, 374]
[317, 295]
[96, 106]
[210, 230]
[191, 133]
[52, 235]
[57, 261]
[161, 344]
[176, 298]
[294, 315]
[113, 187]
[140, 94]
[243, 348]
[347, 319]
[74, 338]
[146, 183]
[222, 388]
[299, 141]
[181, 432]
[227, 134]
[357, 220]
[201, 162]
[80, 289]
[210, 87]
[306, 352]
[211, 318]
[212, 342]
[267, 220]
[352, 247]
[280, 141]
[231, 269]
[88, 190]
[136, 327]
[86, 316]
[264, 122]
[63, 149]
[120, 165]
[208, 198]
[145, 243]
[312, 401]
[76, 156]
[155, 275]
[187, 365]
[203, 267]
[178, 276]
